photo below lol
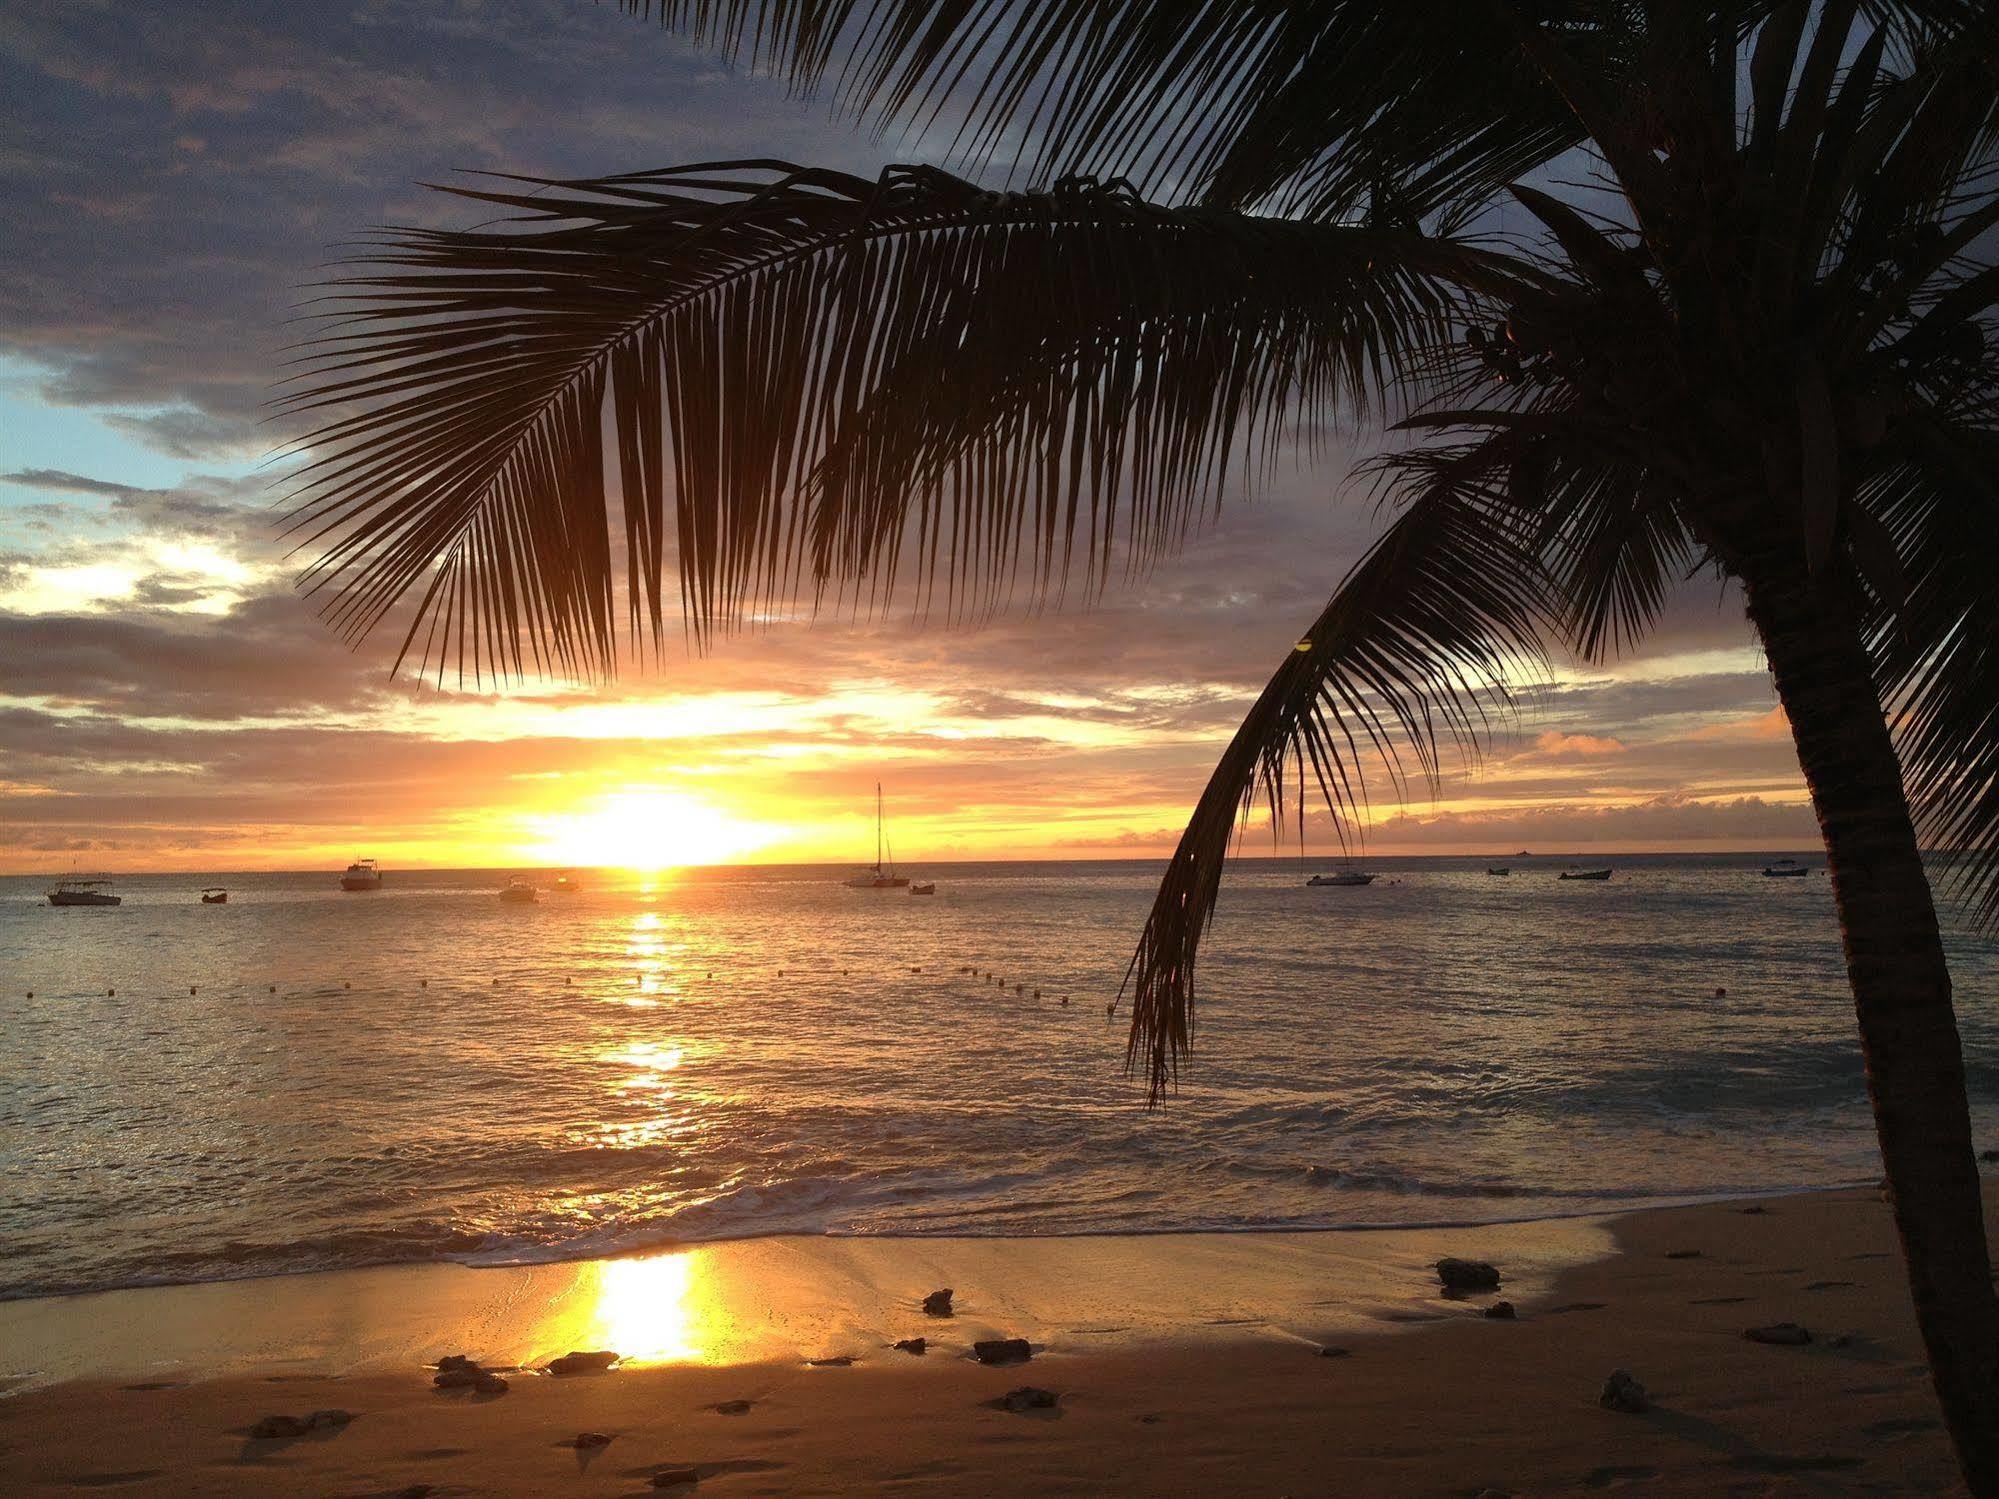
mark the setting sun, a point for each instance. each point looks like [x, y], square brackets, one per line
[646, 829]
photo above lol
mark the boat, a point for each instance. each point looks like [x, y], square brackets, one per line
[215, 895]
[1583, 874]
[925, 887]
[84, 893]
[520, 893]
[1499, 869]
[361, 875]
[566, 883]
[1784, 869]
[1342, 877]
[878, 876]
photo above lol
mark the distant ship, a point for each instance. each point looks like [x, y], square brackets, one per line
[215, 895]
[1584, 874]
[1784, 869]
[1342, 877]
[566, 883]
[1498, 869]
[83, 893]
[361, 875]
[878, 876]
[519, 893]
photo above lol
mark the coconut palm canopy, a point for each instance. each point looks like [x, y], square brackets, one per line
[1642, 290]
[1749, 219]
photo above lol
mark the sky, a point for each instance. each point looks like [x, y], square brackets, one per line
[177, 176]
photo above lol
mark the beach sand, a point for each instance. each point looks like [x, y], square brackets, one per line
[1185, 1364]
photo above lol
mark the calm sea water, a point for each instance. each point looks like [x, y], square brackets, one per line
[304, 1078]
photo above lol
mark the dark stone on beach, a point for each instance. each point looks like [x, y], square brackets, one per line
[1988, 1155]
[1467, 1275]
[1028, 1398]
[911, 1345]
[334, 1419]
[272, 1428]
[597, 1361]
[1501, 1311]
[584, 1441]
[412, 1491]
[667, 1478]
[837, 1361]
[485, 1381]
[1757, 1210]
[457, 1361]
[1623, 1393]
[938, 1303]
[732, 1407]
[1002, 1351]
[1683, 1254]
[1783, 1334]
[1333, 1351]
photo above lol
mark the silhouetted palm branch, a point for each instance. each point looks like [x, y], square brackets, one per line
[817, 369]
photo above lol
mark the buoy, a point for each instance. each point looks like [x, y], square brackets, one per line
[1720, 993]
[565, 982]
[1037, 994]
[190, 989]
[423, 983]
[345, 985]
[914, 969]
[110, 993]
[711, 973]
[274, 988]
[1065, 1001]
[780, 973]
[1017, 988]
[496, 983]
[31, 994]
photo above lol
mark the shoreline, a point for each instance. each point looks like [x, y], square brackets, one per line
[557, 1255]
[1183, 1364]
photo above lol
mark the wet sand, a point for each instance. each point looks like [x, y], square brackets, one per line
[1185, 1364]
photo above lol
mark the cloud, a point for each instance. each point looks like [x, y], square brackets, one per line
[1555, 742]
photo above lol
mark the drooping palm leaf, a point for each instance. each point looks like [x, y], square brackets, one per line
[1428, 634]
[799, 362]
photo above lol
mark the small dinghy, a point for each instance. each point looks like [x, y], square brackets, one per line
[1584, 874]
[215, 895]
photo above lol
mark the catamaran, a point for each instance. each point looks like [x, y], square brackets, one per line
[361, 875]
[878, 876]
[83, 893]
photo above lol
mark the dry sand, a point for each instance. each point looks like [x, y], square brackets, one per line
[1185, 1364]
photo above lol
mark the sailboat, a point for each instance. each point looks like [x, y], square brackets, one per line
[878, 876]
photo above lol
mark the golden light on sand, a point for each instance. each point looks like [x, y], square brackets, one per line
[650, 1311]
[647, 829]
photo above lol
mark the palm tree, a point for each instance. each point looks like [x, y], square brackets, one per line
[1644, 289]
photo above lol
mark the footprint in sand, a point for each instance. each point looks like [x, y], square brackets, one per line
[112, 1480]
[1616, 1476]
[1778, 1462]
[1719, 1301]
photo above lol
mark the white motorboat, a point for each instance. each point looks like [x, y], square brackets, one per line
[84, 893]
[361, 875]
[1784, 869]
[1342, 877]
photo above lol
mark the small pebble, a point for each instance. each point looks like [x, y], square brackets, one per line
[1623, 1393]
[1028, 1398]
[583, 1441]
[911, 1345]
[1332, 1350]
[1501, 1311]
[667, 1478]
[1782, 1334]
[837, 1361]
[731, 1408]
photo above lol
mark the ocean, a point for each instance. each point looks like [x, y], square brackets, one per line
[305, 1078]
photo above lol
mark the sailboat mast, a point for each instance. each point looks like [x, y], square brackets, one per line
[878, 827]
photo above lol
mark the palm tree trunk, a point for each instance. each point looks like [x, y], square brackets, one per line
[1901, 992]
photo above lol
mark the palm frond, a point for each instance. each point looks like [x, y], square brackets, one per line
[807, 364]
[1422, 642]
[1319, 107]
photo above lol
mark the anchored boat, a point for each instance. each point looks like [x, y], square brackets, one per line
[1584, 874]
[84, 893]
[215, 895]
[1784, 869]
[1342, 877]
[361, 875]
[878, 876]
[519, 893]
